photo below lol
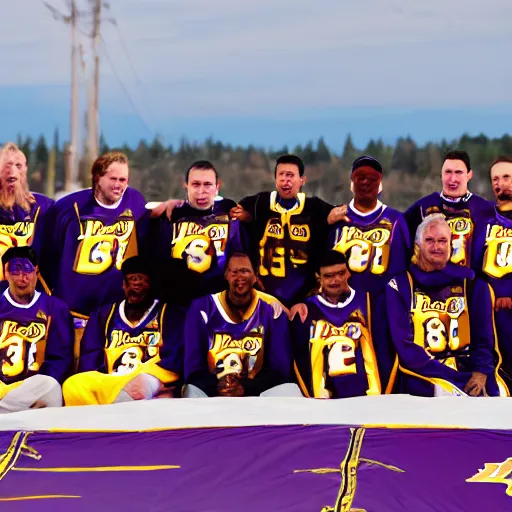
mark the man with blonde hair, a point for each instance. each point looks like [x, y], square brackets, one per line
[442, 321]
[21, 212]
[92, 233]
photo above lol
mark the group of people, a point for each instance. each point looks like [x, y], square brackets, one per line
[108, 299]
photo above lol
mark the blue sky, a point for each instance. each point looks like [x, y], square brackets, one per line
[268, 72]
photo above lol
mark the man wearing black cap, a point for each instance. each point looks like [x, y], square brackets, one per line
[375, 240]
[372, 235]
[36, 338]
[132, 350]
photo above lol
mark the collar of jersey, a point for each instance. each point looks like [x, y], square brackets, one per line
[297, 208]
[346, 302]
[225, 310]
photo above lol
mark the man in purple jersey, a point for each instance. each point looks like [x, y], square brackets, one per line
[463, 210]
[374, 236]
[442, 321]
[333, 348]
[190, 248]
[92, 232]
[22, 213]
[36, 338]
[237, 342]
[131, 350]
[493, 242]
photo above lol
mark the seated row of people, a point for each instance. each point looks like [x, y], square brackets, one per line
[239, 342]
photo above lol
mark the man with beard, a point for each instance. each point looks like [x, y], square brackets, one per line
[494, 243]
[22, 213]
[131, 350]
[236, 343]
[463, 210]
[287, 230]
[36, 338]
[191, 247]
[442, 321]
[90, 234]
[333, 347]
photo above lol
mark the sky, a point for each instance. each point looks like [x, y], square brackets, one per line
[266, 72]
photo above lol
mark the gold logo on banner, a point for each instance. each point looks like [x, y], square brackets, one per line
[348, 472]
[495, 473]
[19, 447]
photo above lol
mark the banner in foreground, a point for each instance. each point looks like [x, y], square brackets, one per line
[276, 468]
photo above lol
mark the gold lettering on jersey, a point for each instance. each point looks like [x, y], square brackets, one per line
[125, 353]
[495, 473]
[196, 243]
[240, 356]
[102, 247]
[333, 353]
[272, 246]
[18, 350]
[461, 228]
[369, 250]
[498, 253]
[440, 325]
[15, 235]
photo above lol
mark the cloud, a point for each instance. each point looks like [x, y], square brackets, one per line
[228, 57]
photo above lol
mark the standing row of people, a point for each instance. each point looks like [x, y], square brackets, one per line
[84, 239]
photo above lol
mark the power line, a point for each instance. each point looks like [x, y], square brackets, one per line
[127, 93]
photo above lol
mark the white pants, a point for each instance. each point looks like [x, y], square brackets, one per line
[34, 392]
[288, 390]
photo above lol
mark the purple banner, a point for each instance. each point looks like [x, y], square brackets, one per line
[283, 468]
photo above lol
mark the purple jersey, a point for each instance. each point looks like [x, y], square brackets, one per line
[442, 329]
[19, 227]
[334, 350]
[111, 344]
[35, 338]
[86, 247]
[494, 243]
[463, 216]
[376, 245]
[202, 239]
[257, 348]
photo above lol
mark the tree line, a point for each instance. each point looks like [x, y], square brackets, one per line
[410, 170]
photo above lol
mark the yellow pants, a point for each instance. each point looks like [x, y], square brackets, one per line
[96, 388]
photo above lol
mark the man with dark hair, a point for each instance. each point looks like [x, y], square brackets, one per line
[131, 350]
[334, 350]
[90, 233]
[237, 343]
[191, 247]
[442, 321]
[463, 210]
[493, 242]
[22, 213]
[287, 230]
[36, 338]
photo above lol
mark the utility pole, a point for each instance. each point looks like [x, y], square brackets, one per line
[93, 97]
[71, 165]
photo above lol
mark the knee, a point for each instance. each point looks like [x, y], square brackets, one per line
[50, 392]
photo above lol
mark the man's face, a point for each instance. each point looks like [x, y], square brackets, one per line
[202, 188]
[455, 177]
[22, 277]
[334, 279]
[136, 287]
[240, 275]
[435, 246]
[112, 185]
[366, 183]
[501, 178]
[12, 167]
[288, 181]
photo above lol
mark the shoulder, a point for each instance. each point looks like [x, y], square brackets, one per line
[44, 201]
[56, 305]
[80, 197]
[392, 214]
[481, 204]
[134, 199]
[225, 205]
[399, 282]
[424, 202]
[271, 304]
